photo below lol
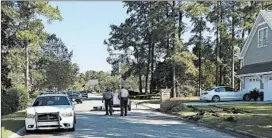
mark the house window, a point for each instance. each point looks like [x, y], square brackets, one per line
[263, 37]
[261, 85]
[270, 78]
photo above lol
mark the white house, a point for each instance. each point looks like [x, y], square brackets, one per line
[256, 56]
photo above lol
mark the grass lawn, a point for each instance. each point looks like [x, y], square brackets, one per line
[12, 123]
[257, 120]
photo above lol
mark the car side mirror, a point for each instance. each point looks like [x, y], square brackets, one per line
[29, 104]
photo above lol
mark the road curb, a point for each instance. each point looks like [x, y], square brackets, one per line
[228, 130]
[19, 133]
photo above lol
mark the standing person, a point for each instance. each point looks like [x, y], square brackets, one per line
[123, 96]
[108, 98]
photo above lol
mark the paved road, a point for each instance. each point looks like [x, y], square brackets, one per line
[140, 123]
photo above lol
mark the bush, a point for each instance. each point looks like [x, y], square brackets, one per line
[13, 99]
[172, 106]
[34, 94]
[178, 108]
[5, 103]
[254, 94]
[261, 96]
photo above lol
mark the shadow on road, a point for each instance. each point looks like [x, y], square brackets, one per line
[138, 124]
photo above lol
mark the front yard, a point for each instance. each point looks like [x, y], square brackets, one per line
[252, 118]
[12, 123]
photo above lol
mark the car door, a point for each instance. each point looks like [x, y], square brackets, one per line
[231, 94]
[221, 92]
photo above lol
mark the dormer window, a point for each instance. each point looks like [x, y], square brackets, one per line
[263, 37]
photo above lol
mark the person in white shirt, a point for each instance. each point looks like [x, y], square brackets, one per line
[123, 96]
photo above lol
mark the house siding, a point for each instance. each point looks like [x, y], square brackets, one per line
[259, 55]
[262, 20]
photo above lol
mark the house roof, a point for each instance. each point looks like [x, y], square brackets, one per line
[256, 68]
[267, 16]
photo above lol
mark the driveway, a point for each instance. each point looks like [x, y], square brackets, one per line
[141, 122]
[226, 103]
[201, 103]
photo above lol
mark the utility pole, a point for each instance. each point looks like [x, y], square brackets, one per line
[120, 72]
[27, 66]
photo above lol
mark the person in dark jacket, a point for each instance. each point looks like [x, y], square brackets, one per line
[123, 96]
[108, 98]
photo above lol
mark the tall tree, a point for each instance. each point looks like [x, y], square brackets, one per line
[27, 29]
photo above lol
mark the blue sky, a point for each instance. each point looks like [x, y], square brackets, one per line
[83, 29]
[85, 26]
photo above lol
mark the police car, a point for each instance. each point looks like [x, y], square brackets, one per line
[51, 111]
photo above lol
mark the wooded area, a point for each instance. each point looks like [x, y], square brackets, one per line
[39, 61]
[164, 60]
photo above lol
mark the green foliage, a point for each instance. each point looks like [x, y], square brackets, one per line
[13, 99]
[60, 74]
[254, 94]
[22, 28]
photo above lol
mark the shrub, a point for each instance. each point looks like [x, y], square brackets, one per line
[254, 94]
[34, 94]
[14, 99]
[261, 96]
[172, 106]
[5, 103]
[178, 108]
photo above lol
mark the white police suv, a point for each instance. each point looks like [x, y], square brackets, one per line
[51, 111]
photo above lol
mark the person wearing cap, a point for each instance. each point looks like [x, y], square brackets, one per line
[108, 98]
[123, 96]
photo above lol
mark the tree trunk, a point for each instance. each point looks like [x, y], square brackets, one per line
[200, 58]
[232, 49]
[140, 84]
[148, 63]
[152, 67]
[139, 72]
[180, 24]
[174, 49]
[217, 47]
[220, 46]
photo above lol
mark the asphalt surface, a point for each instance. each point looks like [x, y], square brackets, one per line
[141, 122]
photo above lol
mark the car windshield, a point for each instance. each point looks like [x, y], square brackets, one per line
[51, 101]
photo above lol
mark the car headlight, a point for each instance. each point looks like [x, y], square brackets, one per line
[30, 116]
[67, 114]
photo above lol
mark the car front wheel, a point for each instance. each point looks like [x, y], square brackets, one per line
[215, 98]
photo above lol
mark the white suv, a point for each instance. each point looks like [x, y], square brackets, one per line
[51, 111]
